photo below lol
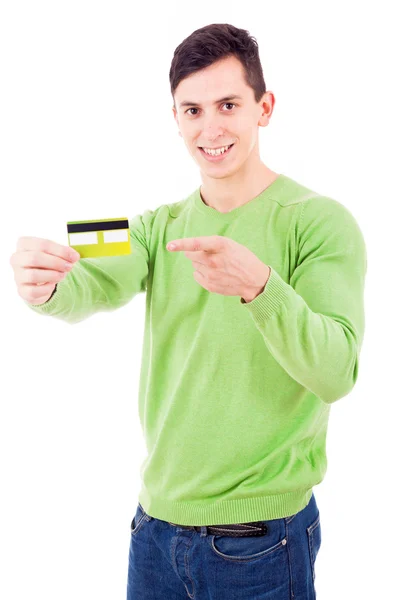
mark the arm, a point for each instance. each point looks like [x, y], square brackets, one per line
[104, 283]
[314, 325]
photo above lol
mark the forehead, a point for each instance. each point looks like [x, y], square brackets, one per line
[220, 78]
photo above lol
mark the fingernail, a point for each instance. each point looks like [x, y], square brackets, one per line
[171, 246]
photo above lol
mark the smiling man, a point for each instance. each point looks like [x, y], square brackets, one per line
[219, 115]
[254, 328]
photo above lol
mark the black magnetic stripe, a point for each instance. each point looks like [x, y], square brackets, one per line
[97, 226]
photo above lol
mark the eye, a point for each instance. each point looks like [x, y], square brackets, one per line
[225, 103]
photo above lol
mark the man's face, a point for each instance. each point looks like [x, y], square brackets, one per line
[214, 119]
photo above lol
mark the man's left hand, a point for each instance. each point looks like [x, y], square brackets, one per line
[223, 266]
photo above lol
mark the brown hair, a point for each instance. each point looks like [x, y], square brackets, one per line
[212, 43]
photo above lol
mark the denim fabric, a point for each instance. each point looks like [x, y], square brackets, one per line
[167, 562]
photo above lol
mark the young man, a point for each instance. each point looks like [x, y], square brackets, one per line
[254, 327]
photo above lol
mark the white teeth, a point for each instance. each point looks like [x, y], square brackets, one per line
[216, 152]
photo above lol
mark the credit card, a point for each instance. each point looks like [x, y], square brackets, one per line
[105, 237]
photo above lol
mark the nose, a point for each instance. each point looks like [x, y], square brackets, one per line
[212, 131]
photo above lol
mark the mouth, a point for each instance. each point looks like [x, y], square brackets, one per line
[216, 157]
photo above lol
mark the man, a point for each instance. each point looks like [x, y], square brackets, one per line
[254, 327]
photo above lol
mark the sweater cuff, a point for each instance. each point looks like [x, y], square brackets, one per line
[267, 303]
[51, 303]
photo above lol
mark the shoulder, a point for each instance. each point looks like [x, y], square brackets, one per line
[328, 215]
[315, 201]
[316, 207]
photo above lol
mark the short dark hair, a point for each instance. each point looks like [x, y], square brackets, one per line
[215, 42]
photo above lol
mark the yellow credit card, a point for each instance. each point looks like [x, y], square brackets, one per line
[106, 237]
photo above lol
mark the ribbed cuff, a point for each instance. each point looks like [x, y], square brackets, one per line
[266, 304]
[50, 304]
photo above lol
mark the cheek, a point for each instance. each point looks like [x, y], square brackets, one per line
[249, 139]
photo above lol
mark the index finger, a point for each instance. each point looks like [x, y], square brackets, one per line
[208, 243]
[47, 246]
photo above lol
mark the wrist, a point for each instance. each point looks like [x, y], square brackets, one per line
[251, 295]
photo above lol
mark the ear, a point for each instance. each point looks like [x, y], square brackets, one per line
[267, 104]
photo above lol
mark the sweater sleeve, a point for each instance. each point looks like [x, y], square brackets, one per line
[314, 325]
[104, 283]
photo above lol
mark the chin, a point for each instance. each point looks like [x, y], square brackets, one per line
[222, 175]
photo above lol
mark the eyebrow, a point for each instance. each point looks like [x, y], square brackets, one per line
[225, 99]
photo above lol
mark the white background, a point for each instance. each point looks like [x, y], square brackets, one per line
[87, 132]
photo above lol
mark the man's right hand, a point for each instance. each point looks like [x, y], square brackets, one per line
[39, 264]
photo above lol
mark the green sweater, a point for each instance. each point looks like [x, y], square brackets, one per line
[234, 397]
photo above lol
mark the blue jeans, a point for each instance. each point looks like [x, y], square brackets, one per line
[167, 562]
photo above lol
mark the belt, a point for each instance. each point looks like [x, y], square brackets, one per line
[232, 530]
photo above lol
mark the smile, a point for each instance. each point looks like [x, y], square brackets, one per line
[216, 157]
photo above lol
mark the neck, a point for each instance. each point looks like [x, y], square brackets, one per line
[225, 194]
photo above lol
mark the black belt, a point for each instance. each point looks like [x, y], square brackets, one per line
[232, 530]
